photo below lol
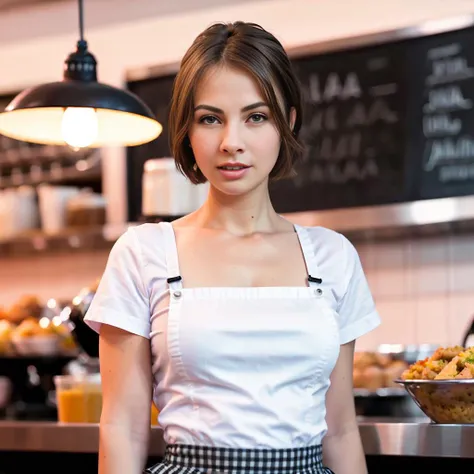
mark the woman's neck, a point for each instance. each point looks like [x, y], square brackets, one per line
[239, 215]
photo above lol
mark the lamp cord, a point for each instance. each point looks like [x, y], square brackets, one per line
[81, 21]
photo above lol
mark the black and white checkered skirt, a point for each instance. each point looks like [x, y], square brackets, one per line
[188, 459]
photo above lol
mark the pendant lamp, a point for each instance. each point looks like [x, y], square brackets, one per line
[79, 111]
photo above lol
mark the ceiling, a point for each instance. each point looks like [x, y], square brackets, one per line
[62, 19]
[6, 5]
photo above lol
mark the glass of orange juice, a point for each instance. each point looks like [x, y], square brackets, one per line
[70, 399]
[79, 398]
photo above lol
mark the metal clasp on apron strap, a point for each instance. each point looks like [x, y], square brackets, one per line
[177, 289]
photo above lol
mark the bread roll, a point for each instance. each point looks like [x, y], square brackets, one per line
[373, 378]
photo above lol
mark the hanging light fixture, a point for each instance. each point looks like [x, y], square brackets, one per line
[79, 111]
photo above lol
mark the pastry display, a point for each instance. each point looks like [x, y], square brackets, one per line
[25, 331]
[25, 307]
[373, 370]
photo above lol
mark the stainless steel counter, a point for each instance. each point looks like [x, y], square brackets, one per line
[404, 437]
[416, 438]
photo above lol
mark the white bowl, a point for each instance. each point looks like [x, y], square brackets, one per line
[36, 345]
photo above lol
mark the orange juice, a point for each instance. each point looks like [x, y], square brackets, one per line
[71, 406]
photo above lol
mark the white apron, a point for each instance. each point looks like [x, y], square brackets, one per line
[252, 368]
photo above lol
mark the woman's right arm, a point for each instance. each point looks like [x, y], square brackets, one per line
[126, 383]
[120, 312]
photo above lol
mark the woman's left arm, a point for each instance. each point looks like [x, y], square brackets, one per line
[342, 447]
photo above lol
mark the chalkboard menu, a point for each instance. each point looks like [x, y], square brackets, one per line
[382, 124]
[353, 131]
[441, 146]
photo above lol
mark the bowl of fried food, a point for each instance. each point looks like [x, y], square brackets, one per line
[443, 385]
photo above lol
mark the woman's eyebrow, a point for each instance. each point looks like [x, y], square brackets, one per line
[216, 110]
[254, 106]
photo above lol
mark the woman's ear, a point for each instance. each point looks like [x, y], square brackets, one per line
[292, 118]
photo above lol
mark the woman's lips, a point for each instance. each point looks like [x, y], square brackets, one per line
[234, 171]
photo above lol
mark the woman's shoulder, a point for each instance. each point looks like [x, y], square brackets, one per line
[145, 241]
[149, 232]
[324, 238]
[332, 250]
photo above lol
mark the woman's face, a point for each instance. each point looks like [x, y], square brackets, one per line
[233, 135]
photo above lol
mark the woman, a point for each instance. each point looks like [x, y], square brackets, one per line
[241, 324]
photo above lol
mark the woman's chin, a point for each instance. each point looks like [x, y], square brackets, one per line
[237, 188]
[232, 189]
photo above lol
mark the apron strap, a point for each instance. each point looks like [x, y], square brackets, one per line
[171, 251]
[307, 247]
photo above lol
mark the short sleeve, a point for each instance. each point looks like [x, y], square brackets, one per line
[356, 309]
[121, 299]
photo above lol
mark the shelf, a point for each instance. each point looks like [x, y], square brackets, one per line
[69, 175]
[81, 239]
[25, 164]
[77, 239]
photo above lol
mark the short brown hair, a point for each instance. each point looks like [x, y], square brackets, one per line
[250, 48]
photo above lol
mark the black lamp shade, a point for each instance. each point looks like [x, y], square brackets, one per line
[36, 114]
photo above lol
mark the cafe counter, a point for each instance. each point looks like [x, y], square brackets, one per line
[389, 438]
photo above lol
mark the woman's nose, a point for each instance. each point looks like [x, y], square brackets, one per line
[232, 141]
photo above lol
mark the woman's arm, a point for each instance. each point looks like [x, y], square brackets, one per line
[125, 369]
[342, 447]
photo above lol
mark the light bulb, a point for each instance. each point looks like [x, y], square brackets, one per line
[79, 126]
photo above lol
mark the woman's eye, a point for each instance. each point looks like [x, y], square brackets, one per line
[208, 120]
[257, 118]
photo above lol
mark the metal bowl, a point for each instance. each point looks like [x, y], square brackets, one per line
[443, 401]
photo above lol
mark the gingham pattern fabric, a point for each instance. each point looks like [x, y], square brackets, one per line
[188, 459]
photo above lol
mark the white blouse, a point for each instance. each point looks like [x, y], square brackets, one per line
[237, 367]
